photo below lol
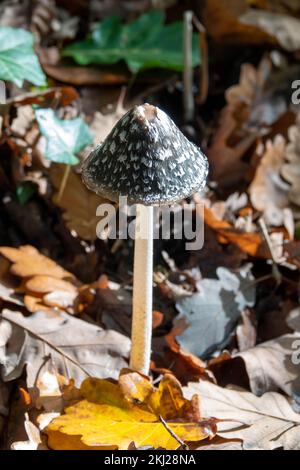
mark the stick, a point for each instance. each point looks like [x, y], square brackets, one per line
[275, 269]
[63, 182]
[188, 96]
[182, 444]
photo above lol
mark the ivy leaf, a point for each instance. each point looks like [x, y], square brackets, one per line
[65, 138]
[144, 43]
[18, 61]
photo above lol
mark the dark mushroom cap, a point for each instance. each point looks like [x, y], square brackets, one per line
[146, 158]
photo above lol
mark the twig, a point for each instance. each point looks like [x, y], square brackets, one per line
[121, 99]
[204, 70]
[188, 96]
[63, 182]
[275, 269]
[180, 441]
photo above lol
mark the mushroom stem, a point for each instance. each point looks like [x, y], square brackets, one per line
[141, 332]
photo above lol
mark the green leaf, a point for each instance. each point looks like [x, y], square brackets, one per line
[25, 191]
[144, 43]
[65, 138]
[18, 61]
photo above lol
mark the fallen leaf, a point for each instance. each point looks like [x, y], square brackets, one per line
[102, 124]
[18, 61]
[248, 242]
[283, 28]
[114, 415]
[270, 366]
[8, 295]
[253, 105]
[60, 95]
[84, 76]
[269, 421]
[221, 19]
[27, 261]
[77, 348]
[78, 203]
[291, 168]
[207, 318]
[268, 192]
[246, 330]
[65, 137]
[34, 438]
[144, 43]
[41, 290]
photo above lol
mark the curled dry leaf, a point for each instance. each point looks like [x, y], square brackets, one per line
[222, 21]
[102, 124]
[34, 441]
[291, 169]
[270, 366]
[266, 422]
[61, 96]
[248, 242]
[283, 28]
[45, 283]
[268, 192]
[113, 415]
[248, 114]
[27, 261]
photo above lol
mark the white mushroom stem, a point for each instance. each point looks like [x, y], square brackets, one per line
[141, 332]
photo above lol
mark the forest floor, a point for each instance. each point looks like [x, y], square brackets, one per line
[226, 319]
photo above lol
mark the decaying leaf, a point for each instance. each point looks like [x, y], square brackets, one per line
[207, 318]
[269, 421]
[268, 192]
[270, 366]
[252, 107]
[249, 242]
[45, 284]
[102, 124]
[27, 261]
[291, 169]
[112, 415]
[34, 438]
[222, 20]
[285, 29]
[78, 203]
[77, 348]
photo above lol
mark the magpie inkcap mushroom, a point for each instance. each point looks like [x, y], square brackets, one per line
[147, 159]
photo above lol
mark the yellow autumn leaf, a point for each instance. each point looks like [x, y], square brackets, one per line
[112, 415]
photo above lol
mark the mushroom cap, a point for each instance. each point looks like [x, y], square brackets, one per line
[147, 159]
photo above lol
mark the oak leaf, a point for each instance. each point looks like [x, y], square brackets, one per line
[269, 421]
[113, 415]
[44, 283]
[248, 242]
[27, 261]
[268, 192]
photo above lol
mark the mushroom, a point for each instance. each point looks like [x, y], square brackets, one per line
[147, 159]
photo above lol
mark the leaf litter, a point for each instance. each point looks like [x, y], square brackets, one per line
[228, 331]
